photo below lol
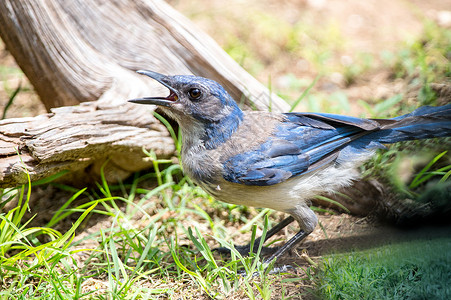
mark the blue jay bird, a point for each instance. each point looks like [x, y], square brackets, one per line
[278, 160]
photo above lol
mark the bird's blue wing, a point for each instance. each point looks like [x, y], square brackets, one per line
[302, 143]
[328, 121]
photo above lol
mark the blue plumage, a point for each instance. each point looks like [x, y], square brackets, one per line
[278, 161]
[216, 133]
[305, 140]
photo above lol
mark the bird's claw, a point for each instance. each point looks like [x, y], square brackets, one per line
[273, 271]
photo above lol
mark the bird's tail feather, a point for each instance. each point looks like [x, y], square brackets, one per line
[425, 122]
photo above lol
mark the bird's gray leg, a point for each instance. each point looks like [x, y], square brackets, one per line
[284, 223]
[287, 246]
[244, 250]
[307, 221]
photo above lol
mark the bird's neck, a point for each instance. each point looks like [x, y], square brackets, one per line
[217, 133]
[210, 134]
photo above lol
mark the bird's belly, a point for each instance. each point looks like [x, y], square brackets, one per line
[275, 197]
[287, 195]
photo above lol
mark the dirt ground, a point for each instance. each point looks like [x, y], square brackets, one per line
[368, 26]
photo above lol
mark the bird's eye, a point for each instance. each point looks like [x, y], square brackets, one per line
[194, 93]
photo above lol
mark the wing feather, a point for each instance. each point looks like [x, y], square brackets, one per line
[300, 144]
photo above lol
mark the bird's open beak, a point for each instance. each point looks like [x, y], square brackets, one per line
[161, 101]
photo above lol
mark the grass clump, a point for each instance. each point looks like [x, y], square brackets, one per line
[147, 244]
[31, 255]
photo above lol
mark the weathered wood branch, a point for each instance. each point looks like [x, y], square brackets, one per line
[80, 139]
[78, 51]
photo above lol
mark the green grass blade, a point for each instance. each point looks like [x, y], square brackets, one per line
[304, 93]
[11, 100]
[419, 178]
[50, 178]
[77, 223]
[55, 218]
[445, 177]
[326, 199]
[250, 223]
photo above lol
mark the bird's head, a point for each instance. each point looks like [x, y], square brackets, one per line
[192, 97]
[206, 113]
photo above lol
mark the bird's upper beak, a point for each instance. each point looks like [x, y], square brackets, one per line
[161, 101]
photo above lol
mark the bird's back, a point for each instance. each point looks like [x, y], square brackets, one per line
[206, 165]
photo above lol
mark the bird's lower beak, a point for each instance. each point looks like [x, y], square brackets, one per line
[161, 101]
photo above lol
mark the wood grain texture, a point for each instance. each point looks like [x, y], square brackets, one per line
[81, 139]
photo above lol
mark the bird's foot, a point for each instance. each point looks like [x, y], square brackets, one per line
[280, 269]
[272, 271]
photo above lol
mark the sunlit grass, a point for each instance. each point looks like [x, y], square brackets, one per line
[24, 259]
[152, 238]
